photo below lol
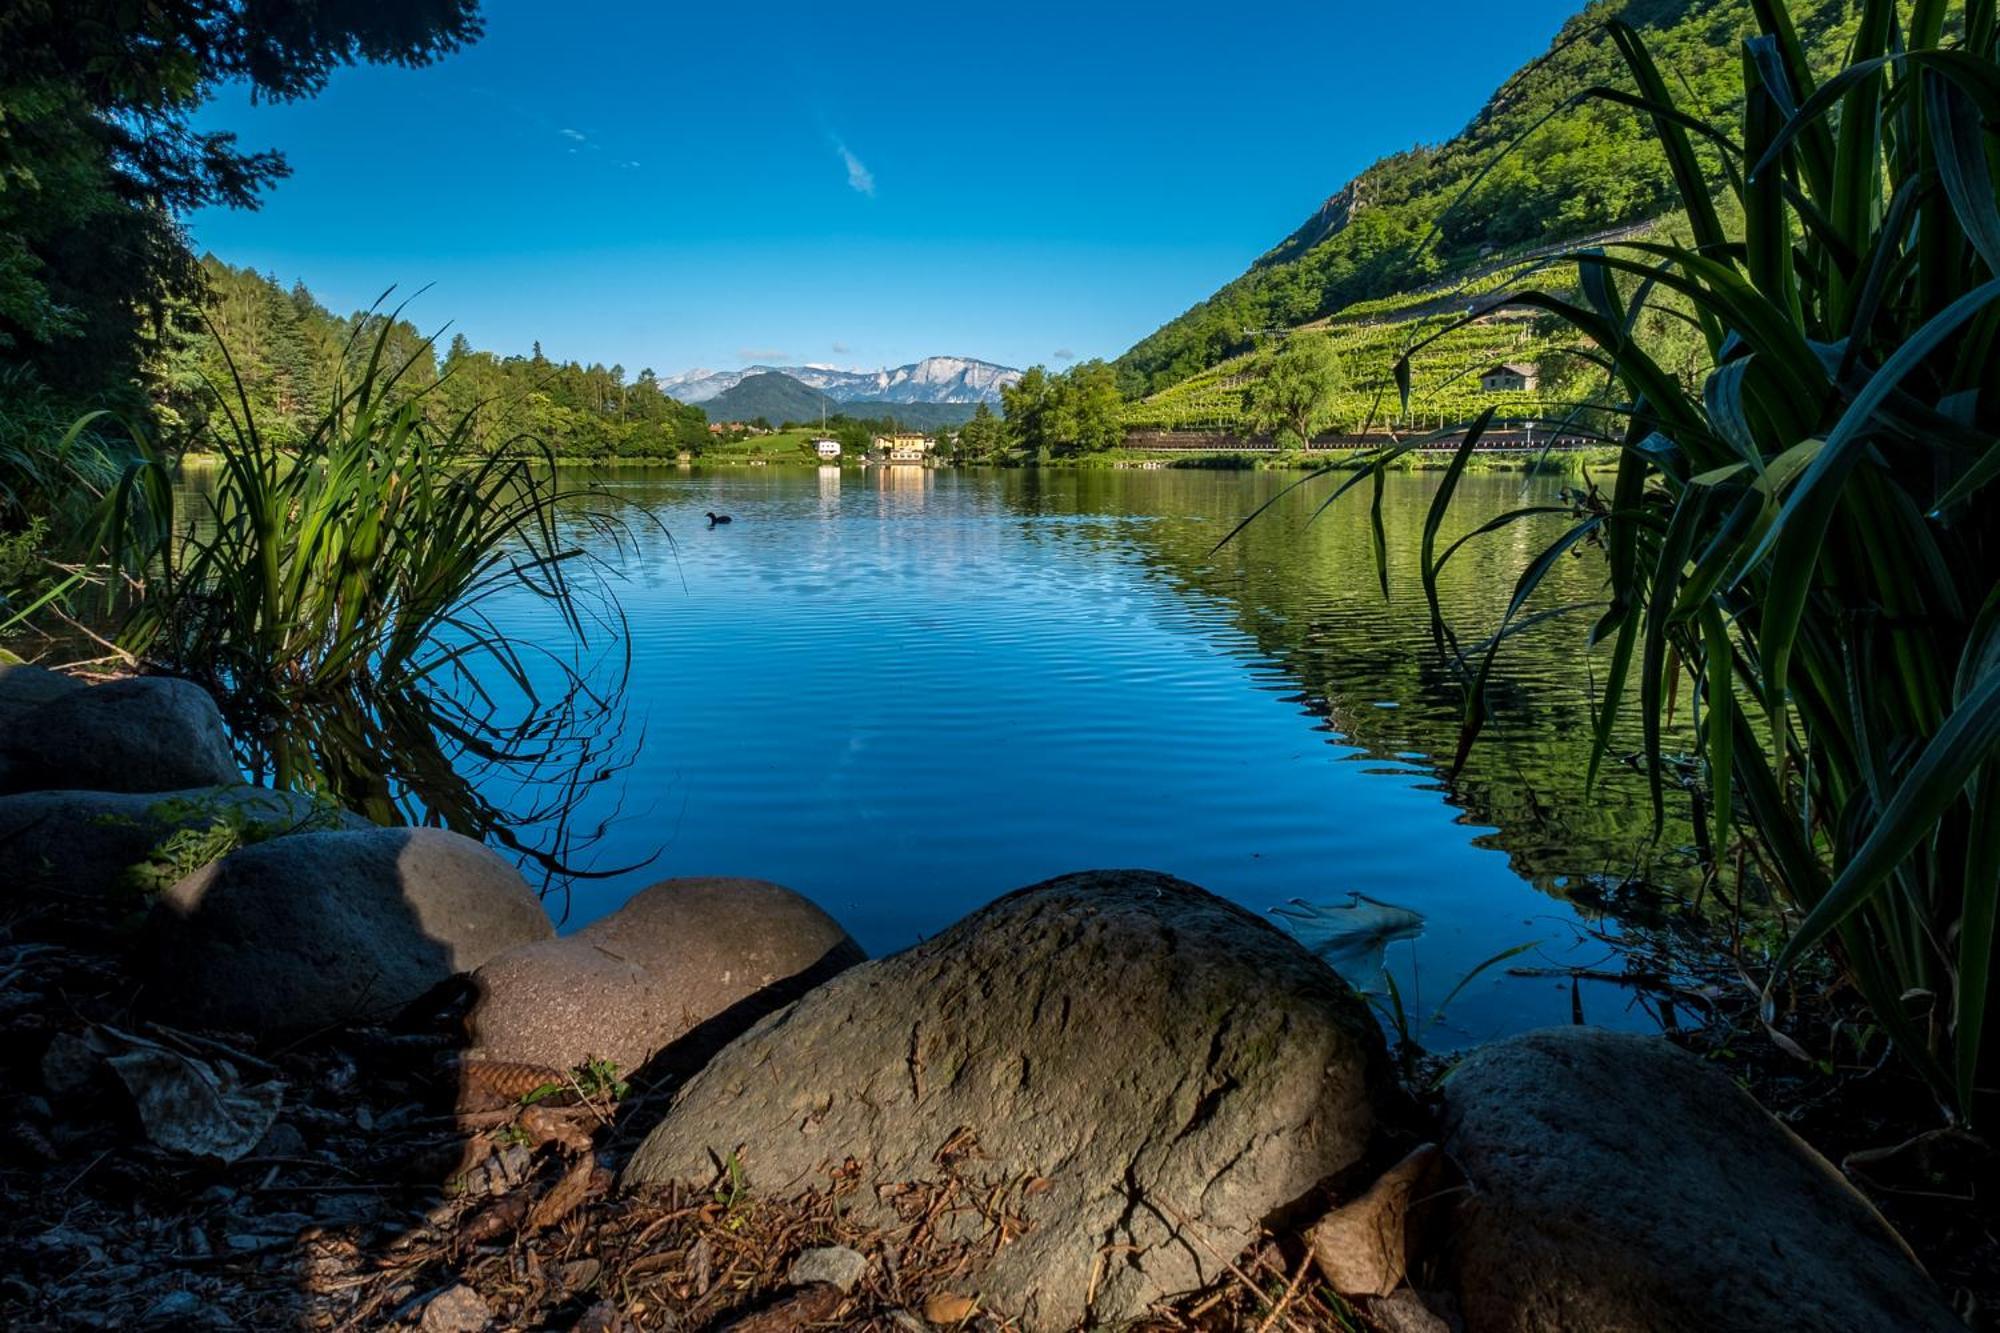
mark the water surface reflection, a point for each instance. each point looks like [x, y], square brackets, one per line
[904, 692]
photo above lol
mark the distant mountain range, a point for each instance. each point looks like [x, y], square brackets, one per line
[935, 379]
[777, 397]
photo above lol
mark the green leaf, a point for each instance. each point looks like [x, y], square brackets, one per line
[1959, 142]
[1681, 159]
[1796, 537]
[1720, 696]
[1434, 517]
[1689, 515]
[1473, 975]
[1969, 739]
[1816, 152]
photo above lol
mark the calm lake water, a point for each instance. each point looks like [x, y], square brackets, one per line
[904, 692]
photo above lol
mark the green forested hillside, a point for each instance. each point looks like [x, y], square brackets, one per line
[1589, 167]
[289, 352]
[769, 397]
[909, 416]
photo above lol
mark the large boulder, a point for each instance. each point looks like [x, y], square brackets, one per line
[1618, 1183]
[119, 846]
[319, 928]
[1141, 1071]
[145, 734]
[24, 686]
[691, 961]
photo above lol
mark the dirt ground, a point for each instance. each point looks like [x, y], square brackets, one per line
[399, 1187]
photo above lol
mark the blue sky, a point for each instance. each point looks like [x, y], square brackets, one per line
[851, 185]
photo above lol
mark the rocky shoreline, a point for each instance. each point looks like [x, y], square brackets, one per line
[270, 1066]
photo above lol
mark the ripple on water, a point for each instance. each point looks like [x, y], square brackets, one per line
[904, 702]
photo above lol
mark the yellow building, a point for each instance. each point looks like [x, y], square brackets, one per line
[905, 448]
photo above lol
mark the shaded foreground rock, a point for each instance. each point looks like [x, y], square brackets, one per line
[1148, 1072]
[146, 734]
[1619, 1183]
[688, 960]
[109, 844]
[23, 687]
[319, 928]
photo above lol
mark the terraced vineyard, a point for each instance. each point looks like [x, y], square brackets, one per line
[1439, 300]
[1444, 383]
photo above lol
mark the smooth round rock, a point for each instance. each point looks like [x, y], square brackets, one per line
[687, 961]
[112, 844]
[24, 686]
[1619, 1183]
[1139, 1070]
[322, 928]
[145, 734]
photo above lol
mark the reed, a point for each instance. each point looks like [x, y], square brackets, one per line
[333, 595]
[56, 469]
[1806, 536]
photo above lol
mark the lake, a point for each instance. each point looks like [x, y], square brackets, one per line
[904, 692]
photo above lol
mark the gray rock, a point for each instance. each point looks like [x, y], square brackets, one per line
[1618, 1182]
[457, 1309]
[103, 844]
[1405, 1311]
[250, 1242]
[1142, 1071]
[285, 1224]
[71, 1066]
[319, 928]
[280, 1140]
[149, 733]
[173, 1305]
[835, 1265]
[341, 1210]
[1361, 1247]
[687, 954]
[23, 687]
[183, 1309]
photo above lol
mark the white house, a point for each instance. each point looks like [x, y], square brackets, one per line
[827, 448]
[1511, 378]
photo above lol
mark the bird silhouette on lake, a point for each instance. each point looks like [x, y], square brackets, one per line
[715, 518]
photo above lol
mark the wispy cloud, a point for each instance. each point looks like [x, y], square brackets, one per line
[577, 135]
[764, 354]
[841, 349]
[1064, 354]
[859, 177]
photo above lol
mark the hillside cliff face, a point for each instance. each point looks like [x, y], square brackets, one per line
[1422, 214]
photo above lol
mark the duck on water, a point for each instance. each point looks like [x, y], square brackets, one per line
[715, 518]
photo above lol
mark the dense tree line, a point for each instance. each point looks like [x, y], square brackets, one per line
[291, 355]
[1540, 163]
[1079, 411]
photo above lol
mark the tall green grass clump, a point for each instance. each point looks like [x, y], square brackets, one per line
[56, 470]
[1809, 533]
[332, 594]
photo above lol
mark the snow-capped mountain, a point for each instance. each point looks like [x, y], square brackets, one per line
[935, 379]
